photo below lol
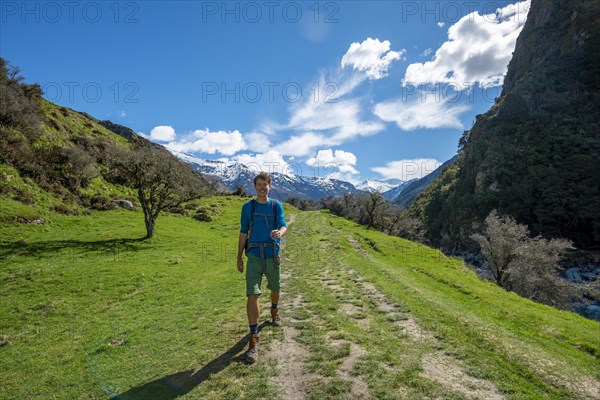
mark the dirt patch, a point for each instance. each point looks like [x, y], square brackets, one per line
[586, 386]
[411, 328]
[291, 219]
[360, 390]
[382, 303]
[447, 371]
[350, 309]
[356, 245]
[293, 379]
[408, 325]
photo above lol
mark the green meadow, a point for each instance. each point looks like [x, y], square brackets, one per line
[90, 310]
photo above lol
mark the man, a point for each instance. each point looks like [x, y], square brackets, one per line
[262, 253]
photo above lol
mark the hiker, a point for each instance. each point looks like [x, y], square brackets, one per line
[262, 226]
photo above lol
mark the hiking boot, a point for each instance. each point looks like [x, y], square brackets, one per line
[252, 353]
[275, 317]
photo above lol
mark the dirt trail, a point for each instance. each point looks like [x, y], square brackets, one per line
[360, 390]
[437, 366]
[293, 380]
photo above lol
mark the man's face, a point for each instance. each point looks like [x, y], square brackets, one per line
[262, 187]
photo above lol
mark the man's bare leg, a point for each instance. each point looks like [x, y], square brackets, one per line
[252, 309]
[274, 297]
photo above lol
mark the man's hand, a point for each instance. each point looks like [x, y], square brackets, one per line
[240, 264]
[275, 234]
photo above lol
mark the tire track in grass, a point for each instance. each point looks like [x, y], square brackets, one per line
[298, 353]
[293, 379]
[437, 366]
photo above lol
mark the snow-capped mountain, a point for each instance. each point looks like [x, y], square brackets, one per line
[374, 185]
[412, 188]
[393, 193]
[232, 174]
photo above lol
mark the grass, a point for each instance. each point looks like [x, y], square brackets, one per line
[90, 310]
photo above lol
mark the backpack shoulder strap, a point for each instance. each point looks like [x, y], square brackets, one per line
[252, 211]
[274, 210]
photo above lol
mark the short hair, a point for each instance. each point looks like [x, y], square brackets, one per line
[263, 175]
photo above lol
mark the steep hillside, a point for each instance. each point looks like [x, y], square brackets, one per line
[409, 193]
[61, 166]
[53, 159]
[534, 154]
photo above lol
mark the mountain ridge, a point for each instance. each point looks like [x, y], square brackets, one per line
[533, 154]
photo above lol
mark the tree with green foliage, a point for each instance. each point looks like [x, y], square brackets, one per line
[160, 179]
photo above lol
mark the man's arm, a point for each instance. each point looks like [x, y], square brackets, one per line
[244, 222]
[242, 244]
[282, 224]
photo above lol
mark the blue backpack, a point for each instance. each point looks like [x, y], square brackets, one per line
[253, 213]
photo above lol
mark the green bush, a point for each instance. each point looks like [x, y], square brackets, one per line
[203, 214]
[101, 203]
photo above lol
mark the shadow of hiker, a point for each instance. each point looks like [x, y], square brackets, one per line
[180, 383]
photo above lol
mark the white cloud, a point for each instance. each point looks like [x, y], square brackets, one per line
[335, 165]
[331, 114]
[441, 24]
[257, 142]
[371, 56]
[227, 143]
[478, 50]
[271, 161]
[302, 144]
[342, 119]
[162, 133]
[426, 52]
[407, 169]
[122, 114]
[421, 112]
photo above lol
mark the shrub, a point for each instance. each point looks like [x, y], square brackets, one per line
[203, 214]
[523, 264]
[176, 210]
[23, 196]
[101, 203]
[190, 206]
[60, 208]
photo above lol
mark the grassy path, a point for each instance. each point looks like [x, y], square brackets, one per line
[90, 311]
[369, 318]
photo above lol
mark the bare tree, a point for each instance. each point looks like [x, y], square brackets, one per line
[369, 205]
[500, 244]
[519, 263]
[405, 226]
[161, 180]
[348, 205]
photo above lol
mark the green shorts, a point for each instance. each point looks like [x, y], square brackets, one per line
[254, 275]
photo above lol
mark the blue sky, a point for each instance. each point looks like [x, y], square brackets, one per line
[347, 89]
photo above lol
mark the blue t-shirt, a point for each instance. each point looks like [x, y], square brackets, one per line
[262, 225]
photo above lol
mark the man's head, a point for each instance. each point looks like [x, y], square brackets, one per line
[262, 183]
